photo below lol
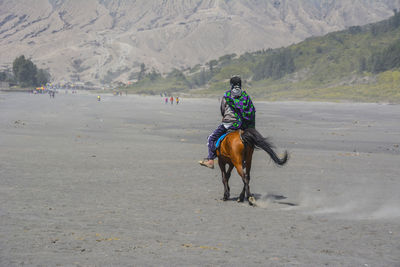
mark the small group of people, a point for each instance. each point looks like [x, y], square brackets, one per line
[171, 100]
[238, 112]
[116, 93]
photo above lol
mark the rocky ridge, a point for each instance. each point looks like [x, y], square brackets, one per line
[100, 41]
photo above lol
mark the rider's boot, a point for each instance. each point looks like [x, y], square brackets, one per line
[209, 163]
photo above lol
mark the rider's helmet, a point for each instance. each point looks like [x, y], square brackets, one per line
[236, 85]
[236, 81]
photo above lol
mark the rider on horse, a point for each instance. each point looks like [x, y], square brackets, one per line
[238, 112]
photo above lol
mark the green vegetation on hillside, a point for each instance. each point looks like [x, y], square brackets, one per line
[361, 63]
[27, 74]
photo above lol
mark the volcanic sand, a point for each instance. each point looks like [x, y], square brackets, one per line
[116, 182]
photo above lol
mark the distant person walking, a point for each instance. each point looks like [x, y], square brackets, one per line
[171, 99]
[98, 98]
[177, 100]
[166, 100]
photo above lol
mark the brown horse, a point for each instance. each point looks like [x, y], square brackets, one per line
[236, 150]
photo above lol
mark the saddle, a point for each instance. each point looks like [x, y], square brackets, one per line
[219, 141]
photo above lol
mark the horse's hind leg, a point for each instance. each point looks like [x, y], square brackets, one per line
[246, 188]
[245, 174]
[228, 175]
[225, 178]
[241, 197]
[249, 158]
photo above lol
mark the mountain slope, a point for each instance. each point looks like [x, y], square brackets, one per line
[104, 40]
[361, 63]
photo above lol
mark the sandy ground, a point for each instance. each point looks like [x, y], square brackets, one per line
[116, 183]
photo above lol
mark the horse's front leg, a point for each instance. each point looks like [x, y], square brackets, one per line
[225, 179]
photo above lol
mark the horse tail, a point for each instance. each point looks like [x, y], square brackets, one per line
[253, 138]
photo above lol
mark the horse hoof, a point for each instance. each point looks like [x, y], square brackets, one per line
[252, 200]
